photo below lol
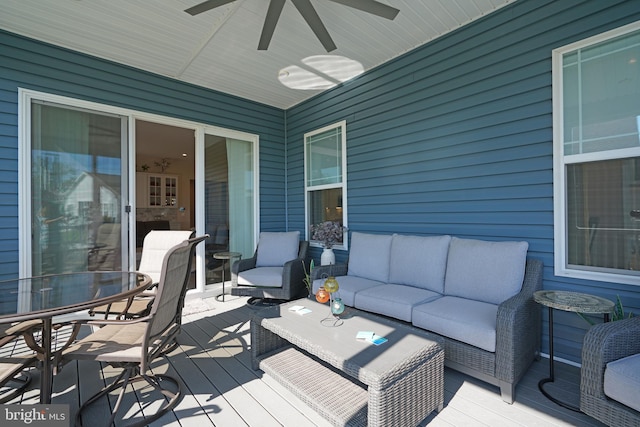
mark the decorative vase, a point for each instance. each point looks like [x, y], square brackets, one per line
[331, 285]
[322, 295]
[327, 257]
[337, 306]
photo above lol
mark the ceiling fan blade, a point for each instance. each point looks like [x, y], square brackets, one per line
[371, 6]
[270, 21]
[310, 15]
[206, 5]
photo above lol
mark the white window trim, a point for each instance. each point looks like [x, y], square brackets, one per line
[560, 161]
[345, 240]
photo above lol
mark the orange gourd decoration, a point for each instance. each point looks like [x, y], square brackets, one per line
[322, 295]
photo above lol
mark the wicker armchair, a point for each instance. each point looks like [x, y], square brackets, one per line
[602, 344]
[278, 281]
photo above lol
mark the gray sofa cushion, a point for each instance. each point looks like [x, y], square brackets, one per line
[419, 261]
[274, 249]
[348, 287]
[369, 256]
[485, 271]
[622, 381]
[396, 301]
[469, 321]
[261, 276]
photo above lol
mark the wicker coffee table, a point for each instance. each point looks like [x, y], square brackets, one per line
[348, 381]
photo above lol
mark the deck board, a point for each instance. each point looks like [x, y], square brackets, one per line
[213, 363]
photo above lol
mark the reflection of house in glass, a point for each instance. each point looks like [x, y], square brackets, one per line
[92, 204]
[94, 197]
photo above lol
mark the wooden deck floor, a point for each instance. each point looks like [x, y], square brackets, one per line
[221, 389]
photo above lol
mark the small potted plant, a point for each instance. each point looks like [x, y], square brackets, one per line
[307, 278]
[618, 313]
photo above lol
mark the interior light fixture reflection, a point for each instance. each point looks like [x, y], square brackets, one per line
[320, 72]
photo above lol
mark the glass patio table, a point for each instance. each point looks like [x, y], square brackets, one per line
[41, 298]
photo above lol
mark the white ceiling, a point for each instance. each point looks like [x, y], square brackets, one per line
[159, 140]
[218, 49]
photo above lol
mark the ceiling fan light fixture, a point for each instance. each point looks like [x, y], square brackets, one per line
[337, 67]
[298, 78]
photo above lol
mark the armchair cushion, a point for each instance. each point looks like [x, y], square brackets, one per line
[491, 272]
[261, 276]
[274, 249]
[369, 256]
[622, 381]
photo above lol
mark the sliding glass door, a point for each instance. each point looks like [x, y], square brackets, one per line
[78, 184]
[230, 200]
[76, 177]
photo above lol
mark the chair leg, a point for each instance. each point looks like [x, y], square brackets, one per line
[126, 373]
[124, 379]
[16, 386]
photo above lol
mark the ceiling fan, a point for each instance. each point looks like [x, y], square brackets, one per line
[307, 11]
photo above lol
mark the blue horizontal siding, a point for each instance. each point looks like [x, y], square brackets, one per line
[30, 64]
[455, 137]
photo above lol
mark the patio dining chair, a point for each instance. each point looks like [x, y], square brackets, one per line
[15, 358]
[155, 246]
[133, 344]
[105, 254]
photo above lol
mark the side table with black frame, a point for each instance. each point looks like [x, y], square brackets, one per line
[226, 258]
[568, 301]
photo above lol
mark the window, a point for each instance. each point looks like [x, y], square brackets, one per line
[597, 157]
[326, 177]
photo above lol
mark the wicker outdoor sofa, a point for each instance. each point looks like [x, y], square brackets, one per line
[612, 348]
[477, 295]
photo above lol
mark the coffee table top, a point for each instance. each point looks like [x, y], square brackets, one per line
[338, 345]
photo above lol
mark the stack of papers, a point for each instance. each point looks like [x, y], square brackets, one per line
[300, 309]
[370, 336]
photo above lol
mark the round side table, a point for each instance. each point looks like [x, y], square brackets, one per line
[568, 301]
[225, 257]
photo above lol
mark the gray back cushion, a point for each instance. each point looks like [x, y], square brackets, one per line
[274, 249]
[419, 261]
[485, 271]
[369, 256]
